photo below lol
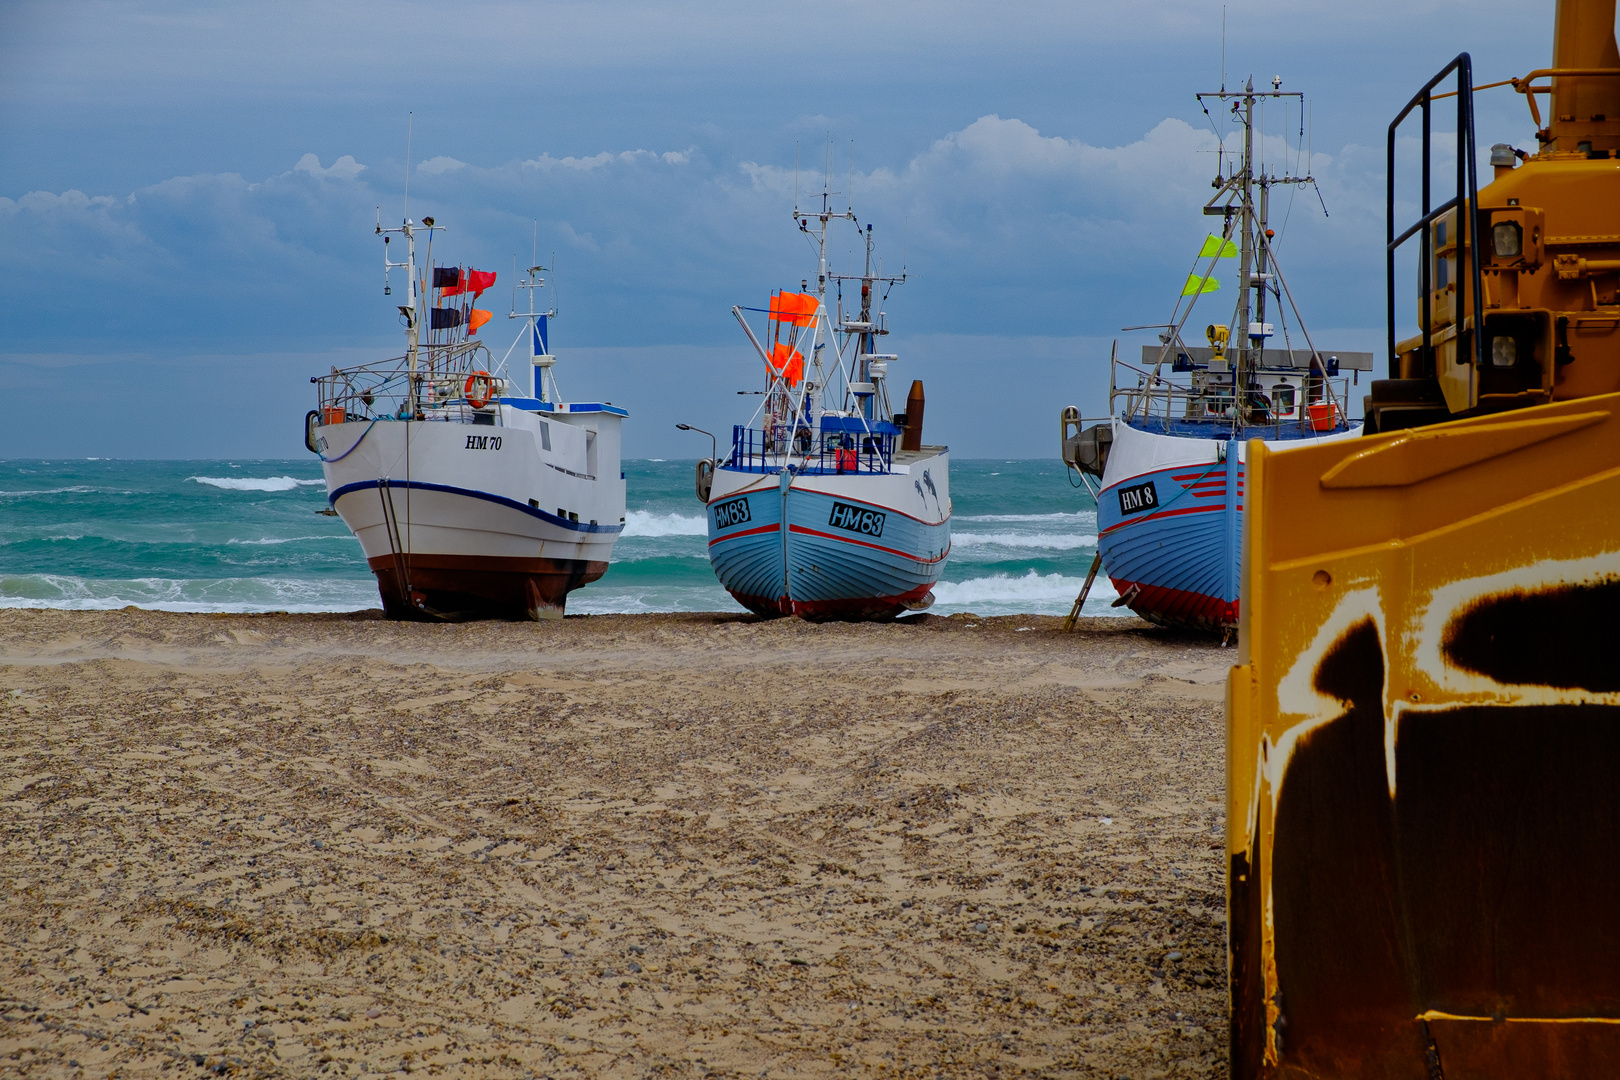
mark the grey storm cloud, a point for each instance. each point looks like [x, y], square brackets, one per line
[189, 183]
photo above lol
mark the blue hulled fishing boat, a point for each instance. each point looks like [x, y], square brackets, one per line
[828, 506]
[1166, 466]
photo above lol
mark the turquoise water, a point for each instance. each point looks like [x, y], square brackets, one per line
[246, 536]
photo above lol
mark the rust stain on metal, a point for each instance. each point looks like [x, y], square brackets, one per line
[1409, 928]
[1552, 637]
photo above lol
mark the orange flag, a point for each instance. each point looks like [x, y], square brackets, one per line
[788, 363]
[798, 308]
[476, 318]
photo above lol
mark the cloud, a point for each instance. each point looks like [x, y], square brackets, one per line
[547, 163]
[344, 168]
[438, 166]
[1002, 228]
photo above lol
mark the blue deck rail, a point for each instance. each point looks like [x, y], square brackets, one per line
[843, 445]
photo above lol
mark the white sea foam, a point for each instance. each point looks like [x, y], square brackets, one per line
[1078, 517]
[255, 483]
[1043, 541]
[650, 599]
[75, 490]
[1002, 594]
[645, 523]
[287, 540]
[180, 594]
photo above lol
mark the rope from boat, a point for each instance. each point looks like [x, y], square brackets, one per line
[352, 449]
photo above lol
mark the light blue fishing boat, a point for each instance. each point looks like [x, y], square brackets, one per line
[828, 505]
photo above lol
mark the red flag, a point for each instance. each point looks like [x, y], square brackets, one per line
[467, 281]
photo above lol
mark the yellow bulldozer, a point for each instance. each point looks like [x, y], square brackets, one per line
[1423, 786]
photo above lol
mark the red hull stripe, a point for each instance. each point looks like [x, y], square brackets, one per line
[1165, 514]
[1178, 477]
[746, 532]
[863, 543]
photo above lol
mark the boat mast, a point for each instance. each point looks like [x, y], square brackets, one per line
[864, 331]
[541, 364]
[413, 321]
[827, 214]
[1257, 263]
[411, 312]
[868, 337]
[1246, 358]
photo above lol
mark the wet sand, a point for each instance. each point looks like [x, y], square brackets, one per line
[624, 846]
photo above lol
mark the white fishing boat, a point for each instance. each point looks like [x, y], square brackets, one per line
[829, 506]
[470, 497]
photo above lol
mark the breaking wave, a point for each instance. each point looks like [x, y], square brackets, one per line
[1041, 541]
[1032, 593]
[646, 523]
[255, 483]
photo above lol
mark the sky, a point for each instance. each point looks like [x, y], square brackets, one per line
[188, 192]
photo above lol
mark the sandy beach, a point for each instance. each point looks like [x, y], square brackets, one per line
[618, 846]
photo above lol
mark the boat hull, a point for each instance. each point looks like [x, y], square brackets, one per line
[1169, 528]
[438, 587]
[832, 547]
[492, 533]
[1170, 524]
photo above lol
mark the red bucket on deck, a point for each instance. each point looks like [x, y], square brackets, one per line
[332, 416]
[1324, 416]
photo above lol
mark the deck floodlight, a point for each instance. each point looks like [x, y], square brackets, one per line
[1504, 351]
[1507, 239]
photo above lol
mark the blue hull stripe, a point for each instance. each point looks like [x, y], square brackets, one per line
[553, 519]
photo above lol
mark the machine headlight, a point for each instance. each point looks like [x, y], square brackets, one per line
[1504, 350]
[1507, 239]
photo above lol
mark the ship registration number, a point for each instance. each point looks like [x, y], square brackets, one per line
[1135, 499]
[856, 519]
[731, 512]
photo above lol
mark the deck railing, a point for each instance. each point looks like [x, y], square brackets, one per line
[387, 390]
[815, 453]
[1317, 401]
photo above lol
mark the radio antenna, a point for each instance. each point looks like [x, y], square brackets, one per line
[409, 121]
[849, 196]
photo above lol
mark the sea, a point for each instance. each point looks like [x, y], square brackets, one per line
[246, 536]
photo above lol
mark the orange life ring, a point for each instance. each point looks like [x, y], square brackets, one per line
[489, 389]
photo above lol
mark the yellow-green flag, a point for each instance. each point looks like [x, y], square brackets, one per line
[1197, 285]
[1215, 248]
